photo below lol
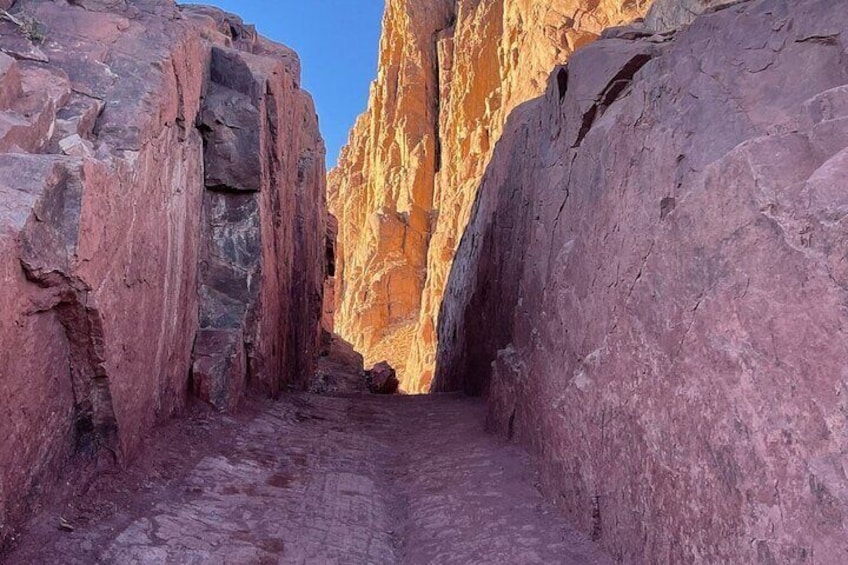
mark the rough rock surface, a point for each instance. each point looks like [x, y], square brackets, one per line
[666, 15]
[339, 369]
[161, 213]
[652, 288]
[344, 487]
[450, 72]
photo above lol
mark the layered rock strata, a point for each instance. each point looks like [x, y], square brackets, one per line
[162, 227]
[651, 291]
[450, 72]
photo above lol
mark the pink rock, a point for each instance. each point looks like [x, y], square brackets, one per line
[339, 369]
[651, 292]
[122, 272]
[10, 81]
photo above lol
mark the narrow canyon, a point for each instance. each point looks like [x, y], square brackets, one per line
[450, 73]
[594, 250]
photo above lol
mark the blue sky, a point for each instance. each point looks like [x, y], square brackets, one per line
[337, 41]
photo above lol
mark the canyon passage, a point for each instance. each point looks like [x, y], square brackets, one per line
[601, 244]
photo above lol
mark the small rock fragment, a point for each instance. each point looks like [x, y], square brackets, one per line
[64, 525]
[75, 146]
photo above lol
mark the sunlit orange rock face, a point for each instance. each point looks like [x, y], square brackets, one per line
[450, 72]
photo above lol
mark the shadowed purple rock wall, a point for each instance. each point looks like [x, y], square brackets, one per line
[652, 290]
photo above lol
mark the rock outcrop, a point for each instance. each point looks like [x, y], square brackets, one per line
[651, 291]
[450, 72]
[339, 370]
[162, 227]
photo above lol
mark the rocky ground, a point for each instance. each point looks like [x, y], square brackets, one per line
[314, 479]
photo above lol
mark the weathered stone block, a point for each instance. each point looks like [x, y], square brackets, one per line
[219, 370]
[231, 129]
[382, 379]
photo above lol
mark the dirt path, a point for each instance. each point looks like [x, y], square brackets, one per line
[318, 480]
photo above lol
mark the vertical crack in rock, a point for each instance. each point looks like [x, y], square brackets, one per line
[443, 43]
[96, 425]
[48, 245]
[281, 342]
[612, 92]
[260, 307]
[301, 295]
[230, 271]
[562, 82]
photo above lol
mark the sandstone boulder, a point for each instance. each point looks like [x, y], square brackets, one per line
[339, 370]
[382, 379]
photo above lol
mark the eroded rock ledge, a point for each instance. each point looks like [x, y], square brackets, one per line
[651, 291]
[162, 227]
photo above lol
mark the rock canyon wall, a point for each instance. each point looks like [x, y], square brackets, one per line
[450, 72]
[162, 227]
[652, 288]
